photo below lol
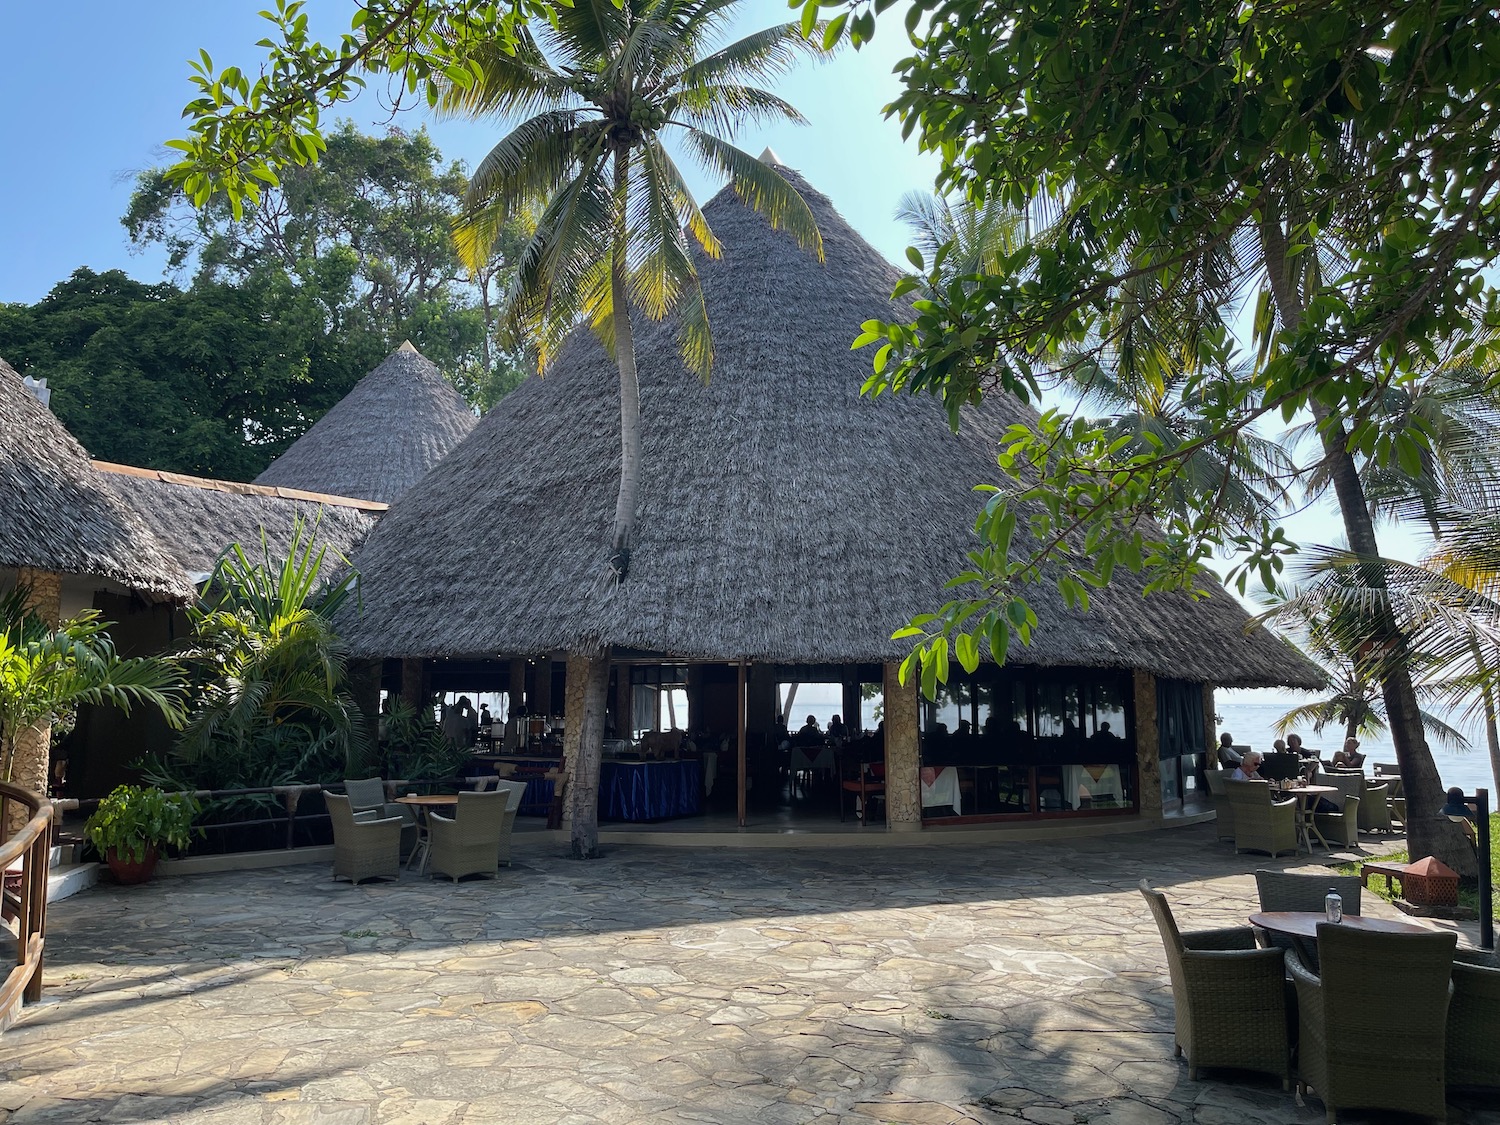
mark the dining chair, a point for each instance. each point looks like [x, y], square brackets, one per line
[1223, 810]
[1473, 1057]
[1288, 890]
[1260, 824]
[860, 779]
[369, 795]
[469, 843]
[1372, 1021]
[365, 845]
[1229, 996]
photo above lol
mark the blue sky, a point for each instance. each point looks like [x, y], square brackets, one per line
[94, 87]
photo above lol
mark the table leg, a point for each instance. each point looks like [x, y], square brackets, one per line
[421, 847]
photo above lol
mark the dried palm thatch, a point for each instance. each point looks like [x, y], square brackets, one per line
[399, 421]
[58, 514]
[198, 519]
[783, 516]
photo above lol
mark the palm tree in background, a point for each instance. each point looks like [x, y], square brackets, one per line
[591, 99]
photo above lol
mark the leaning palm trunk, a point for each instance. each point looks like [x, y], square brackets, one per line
[584, 808]
[1428, 831]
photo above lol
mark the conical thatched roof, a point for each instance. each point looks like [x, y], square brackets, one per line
[783, 516]
[197, 519]
[399, 421]
[58, 514]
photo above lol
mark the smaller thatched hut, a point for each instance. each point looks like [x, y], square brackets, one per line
[381, 438]
[197, 518]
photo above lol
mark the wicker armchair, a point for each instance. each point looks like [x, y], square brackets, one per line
[364, 846]
[1474, 1020]
[1223, 811]
[1372, 1025]
[369, 795]
[1374, 808]
[1342, 827]
[1261, 825]
[1229, 996]
[514, 791]
[469, 842]
[1284, 890]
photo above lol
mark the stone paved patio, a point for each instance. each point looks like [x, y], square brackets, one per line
[1020, 982]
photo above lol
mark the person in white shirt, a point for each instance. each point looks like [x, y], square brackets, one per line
[1249, 768]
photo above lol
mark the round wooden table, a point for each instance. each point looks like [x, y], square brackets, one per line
[1304, 924]
[425, 803]
[1307, 804]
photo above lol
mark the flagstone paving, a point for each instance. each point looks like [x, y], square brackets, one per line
[929, 986]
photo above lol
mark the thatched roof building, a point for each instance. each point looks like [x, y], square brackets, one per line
[58, 514]
[783, 516]
[197, 519]
[399, 421]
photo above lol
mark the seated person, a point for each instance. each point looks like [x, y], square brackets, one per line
[810, 731]
[1349, 757]
[1104, 735]
[1294, 744]
[836, 727]
[1228, 755]
[1249, 767]
[965, 728]
[1279, 746]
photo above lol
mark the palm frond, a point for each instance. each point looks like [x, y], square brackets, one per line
[760, 186]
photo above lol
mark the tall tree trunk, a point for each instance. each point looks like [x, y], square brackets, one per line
[585, 800]
[1428, 831]
[786, 708]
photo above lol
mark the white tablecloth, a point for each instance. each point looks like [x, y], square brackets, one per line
[943, 790]
[1098, 783]
[822, 760]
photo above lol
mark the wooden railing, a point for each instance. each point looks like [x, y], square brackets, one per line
[26, 905]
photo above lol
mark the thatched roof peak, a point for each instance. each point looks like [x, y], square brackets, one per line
[783, 516]
[379, 439]
[59, 514]
[770, 157]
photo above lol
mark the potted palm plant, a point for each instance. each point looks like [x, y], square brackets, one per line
[133, 824]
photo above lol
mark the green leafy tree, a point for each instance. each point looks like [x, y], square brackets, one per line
[46, 674]
[364, 236]
[1326, 167]
[596, 95]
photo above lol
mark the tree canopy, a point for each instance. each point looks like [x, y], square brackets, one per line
[272, 317]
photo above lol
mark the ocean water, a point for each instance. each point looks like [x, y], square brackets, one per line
[1254, 723]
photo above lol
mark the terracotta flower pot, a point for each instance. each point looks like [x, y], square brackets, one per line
[130, 871]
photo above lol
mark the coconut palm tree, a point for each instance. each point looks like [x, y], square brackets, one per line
[591, 99]
[46, 674]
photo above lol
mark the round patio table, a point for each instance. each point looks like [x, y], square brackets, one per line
[1304, 923]
[1302, 927]
[425, 803]
[1307, 803]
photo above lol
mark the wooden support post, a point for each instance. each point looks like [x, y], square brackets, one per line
[1147, 745]
[903, 790]
[740, 706]
[291, 796]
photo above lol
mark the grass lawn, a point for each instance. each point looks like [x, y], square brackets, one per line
[1468, 896]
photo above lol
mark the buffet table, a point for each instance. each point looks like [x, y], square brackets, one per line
[650, 790]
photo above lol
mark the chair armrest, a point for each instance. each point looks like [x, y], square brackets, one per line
[366, 816]
[374, 823]
[407, 814]
[1233, 937]
[1351, 805]
[441, 829]
[1232, 973]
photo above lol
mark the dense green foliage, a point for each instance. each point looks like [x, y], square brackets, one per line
[413, 747]
[270, 705]
[284, 310]
[134, 818]
[46, 674]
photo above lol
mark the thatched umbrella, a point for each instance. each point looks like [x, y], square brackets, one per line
[784, 517]
[399, 421]
[197, 519]
[59, 516]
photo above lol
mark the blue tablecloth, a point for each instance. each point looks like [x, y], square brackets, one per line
[650, 790]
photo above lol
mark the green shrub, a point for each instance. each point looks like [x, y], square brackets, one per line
[133, 818]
